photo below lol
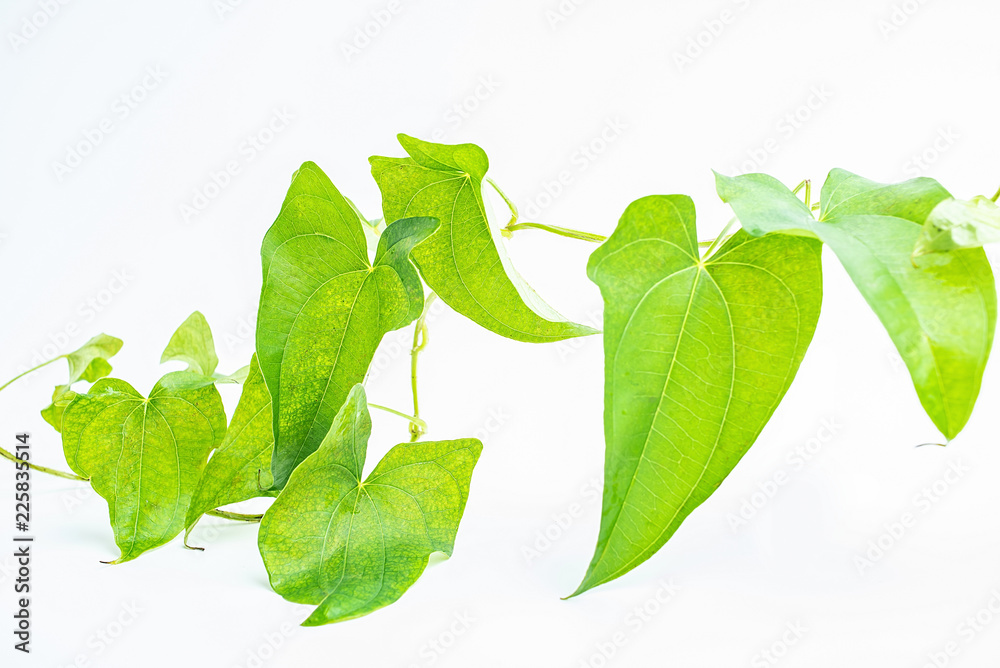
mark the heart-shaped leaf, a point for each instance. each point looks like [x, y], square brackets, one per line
[940, 312]
[325, 307]
[89, 362]
[352, 546]
[144, 456]
[193, 343]
[462, 262]
[697, 356]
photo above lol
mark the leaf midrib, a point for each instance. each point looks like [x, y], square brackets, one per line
[666, 382]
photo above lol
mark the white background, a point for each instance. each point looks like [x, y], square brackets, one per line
[926, 89]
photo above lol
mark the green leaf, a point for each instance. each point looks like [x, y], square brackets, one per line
[236, 378]
[351, 546]
[62, 397]
[192, 343]
[144, 456]
[462, 262]
[956, 223]
[88, 363]
[241, 468]
[847, 194]
[940, 314]
[324, 308]
[698, 354]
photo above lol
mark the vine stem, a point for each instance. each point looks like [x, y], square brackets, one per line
[413, 420]
[510, 204]
[236, 517]
[723, 235]
[34, 368]
[996, 195]
[417, 426]
[561, 231]
[513, 225]
[41, 469]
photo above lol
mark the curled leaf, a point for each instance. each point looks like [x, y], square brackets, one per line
[462, 262]
[956, 223]
[89, 363]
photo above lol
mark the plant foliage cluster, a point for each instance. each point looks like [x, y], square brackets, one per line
[700, 344]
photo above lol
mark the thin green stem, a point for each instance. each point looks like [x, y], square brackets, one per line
[34, 368]
[418, 429]
[561, 231]
[809, 196]
[996, 195]
[510, 204]
[236, 517]
[42, 469]
[512, 225]
[722, 237]
[802, 184]
[413, 420]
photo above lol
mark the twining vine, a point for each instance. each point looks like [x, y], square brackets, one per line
[702, 340]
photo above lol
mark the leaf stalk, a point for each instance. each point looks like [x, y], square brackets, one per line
[417, 426]
[723, 235]
[561, 231]
[41, 469]
[413, 420]
[236, 517]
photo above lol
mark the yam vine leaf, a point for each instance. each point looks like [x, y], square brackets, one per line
[462, 262]
[940, 311]
[240, 468]
[89, 363]
[325, 307]
[144, 456]
[956, 223]
[698, 353]
[193, 343]
[352, 546]
[62, 397]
